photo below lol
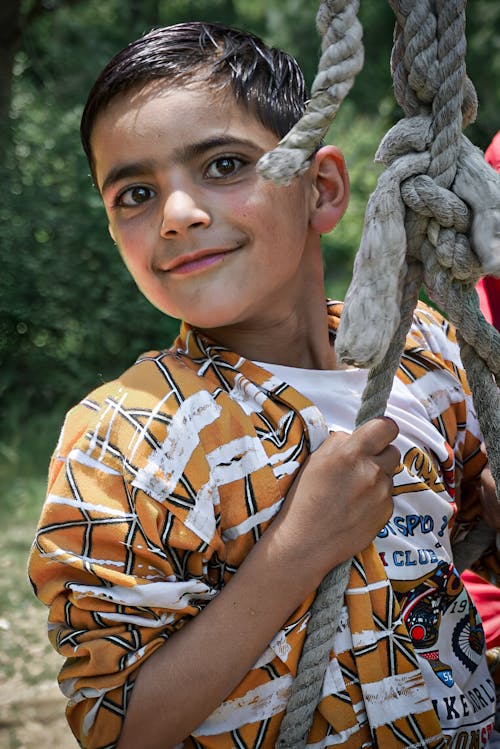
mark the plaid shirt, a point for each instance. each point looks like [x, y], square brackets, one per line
[161, 483]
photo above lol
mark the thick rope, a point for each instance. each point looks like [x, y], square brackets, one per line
[307, 685]
[341, 60]
[434, 217]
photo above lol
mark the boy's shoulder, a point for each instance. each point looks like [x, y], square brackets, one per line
[432, 369]
[431, 335]
[433, 339]
[144, 380]
[153, 388]
[429, 324]
[430, 363]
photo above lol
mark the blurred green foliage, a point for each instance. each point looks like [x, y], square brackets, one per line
[70, 316]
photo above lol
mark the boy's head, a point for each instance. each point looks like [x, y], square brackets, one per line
[264, 80]
[174, 129]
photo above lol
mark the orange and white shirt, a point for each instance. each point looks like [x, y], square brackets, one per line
[165, 478]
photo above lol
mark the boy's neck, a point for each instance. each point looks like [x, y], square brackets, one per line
[298, 339]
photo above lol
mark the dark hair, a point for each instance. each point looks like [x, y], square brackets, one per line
[267, 81]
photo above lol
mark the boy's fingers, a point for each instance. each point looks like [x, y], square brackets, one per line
[376, 435]
[389, 459]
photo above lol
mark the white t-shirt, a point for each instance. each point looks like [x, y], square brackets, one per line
[415, 549]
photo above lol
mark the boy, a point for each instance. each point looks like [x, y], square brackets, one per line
[196, 503]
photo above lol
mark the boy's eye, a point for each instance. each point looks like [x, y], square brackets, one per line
[224, 166]
[134, 196]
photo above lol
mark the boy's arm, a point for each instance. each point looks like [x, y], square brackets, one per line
[121, 638]
[489, 502]
[188, 677]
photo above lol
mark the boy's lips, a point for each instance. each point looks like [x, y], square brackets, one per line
[193, 261]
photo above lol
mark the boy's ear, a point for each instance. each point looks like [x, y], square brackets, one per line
[330, 190]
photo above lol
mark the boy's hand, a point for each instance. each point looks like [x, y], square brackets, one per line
[341, 498]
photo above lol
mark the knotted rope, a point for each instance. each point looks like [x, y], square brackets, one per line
[434, 219]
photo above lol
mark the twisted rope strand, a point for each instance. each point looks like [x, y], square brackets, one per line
[378, 386]
[306, 687]
[339, 64]
[447, 103]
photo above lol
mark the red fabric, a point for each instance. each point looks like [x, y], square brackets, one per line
[489, 299]
[488, 288]
[484, 302]
[492, 153]
[487, 600]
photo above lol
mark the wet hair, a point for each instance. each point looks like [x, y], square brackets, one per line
[266, 81]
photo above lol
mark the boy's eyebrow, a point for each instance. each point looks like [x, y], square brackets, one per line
[124, 171]
[214, 141]
[185, 153]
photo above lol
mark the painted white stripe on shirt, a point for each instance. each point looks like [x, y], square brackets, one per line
[333, 682]
[101, 418]
[342, 641]
[230, 534]
[336, 739]
[115, 408]
[281, 465]
[139, 435]
[165, 466]
[281, 646]
[69, 557]
[367, 588]
[395, 697]
[437, 340]
[201, 518]
[112, 512]
[256, 705]
[437, 390]
[236, 459]
[369, 636]
[286, 469]
[173, 596]
[139, 621]
[316, 425]
[273, 382]
[78, 456]
[267, 656]
[249, 396]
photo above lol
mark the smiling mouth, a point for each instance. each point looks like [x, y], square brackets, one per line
[198, 260]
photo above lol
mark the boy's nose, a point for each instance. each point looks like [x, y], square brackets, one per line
[181, 213]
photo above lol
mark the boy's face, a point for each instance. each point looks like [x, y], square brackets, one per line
[204, 237]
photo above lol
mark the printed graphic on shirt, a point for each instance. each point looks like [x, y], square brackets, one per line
[423, 609]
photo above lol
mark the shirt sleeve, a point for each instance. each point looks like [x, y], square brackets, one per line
[119, 570]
